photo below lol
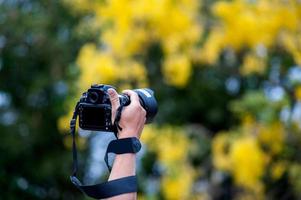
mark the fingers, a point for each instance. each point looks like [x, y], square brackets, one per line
[134, 99]
[133, 96]
[114, 98]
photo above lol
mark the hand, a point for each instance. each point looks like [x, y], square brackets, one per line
[132, 116]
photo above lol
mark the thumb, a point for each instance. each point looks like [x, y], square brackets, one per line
[114, 98]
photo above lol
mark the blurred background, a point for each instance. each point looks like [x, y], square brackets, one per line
[227, 76]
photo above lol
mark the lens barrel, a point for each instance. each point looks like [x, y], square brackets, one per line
[147, 101]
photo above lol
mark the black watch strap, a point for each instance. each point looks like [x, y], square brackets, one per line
[121, 146]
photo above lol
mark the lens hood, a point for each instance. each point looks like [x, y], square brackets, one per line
[148, 102]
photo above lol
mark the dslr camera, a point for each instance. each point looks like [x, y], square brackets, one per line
[94, 107]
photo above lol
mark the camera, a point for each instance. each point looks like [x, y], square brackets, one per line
[94, 108]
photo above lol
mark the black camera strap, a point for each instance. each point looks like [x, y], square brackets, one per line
[121, 146]
[108, 189]
[116, 125]
[113, 187]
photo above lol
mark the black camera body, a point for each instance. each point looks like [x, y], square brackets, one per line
[94, 108]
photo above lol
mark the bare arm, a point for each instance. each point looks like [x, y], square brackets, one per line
[132, 122]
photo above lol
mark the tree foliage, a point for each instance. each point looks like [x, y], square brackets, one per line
[226, 74]
[229, 66]
[37, 45]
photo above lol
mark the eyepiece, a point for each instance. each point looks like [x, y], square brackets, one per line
[93, 97]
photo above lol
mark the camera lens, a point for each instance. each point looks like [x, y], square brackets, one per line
[148, 102]
[93, 97]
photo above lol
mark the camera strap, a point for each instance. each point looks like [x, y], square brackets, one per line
[116, 125]
[121, 146]
[111, 188]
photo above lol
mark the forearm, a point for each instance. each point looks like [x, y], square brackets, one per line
[132, 122]
[124, 165]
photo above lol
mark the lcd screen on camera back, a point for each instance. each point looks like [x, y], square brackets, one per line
[94, 117]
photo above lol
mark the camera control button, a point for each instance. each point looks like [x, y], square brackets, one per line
[96, 85]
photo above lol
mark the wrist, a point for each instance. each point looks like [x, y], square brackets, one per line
[127, 134]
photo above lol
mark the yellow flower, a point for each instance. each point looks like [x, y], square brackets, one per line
[292, 42]
[80, 142]
[249, 23]
[172, 147]
[278, 169]
[295, 176]
[212, 48]
[272, 136]
[129, 28]
[96, 66]
[163, 141]
[177, 70]
[64, 122]
[134, 71]
[81, 5]
[247, 162]
[220, 150]
[178, 186]
[248, 122]
[253, 64]
[298, 93]
[149, 135]
[100, 66]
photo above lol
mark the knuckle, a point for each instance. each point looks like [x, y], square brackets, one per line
[115, 99]
[135, 95]
[136, 107]
[113, 95]
[143, 112]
